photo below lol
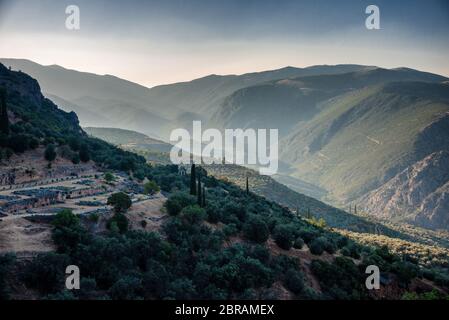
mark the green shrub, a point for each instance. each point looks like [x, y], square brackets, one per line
[84, 153]
[182, 289]
[235, 209]
[340, 279]
[46, 272]
[65, 218]
[351, 250]
[151, 188]
[68, 232]
[405, 271]
[120, 201]
[178, 201]
[294, 281]
[75, 158]
[213, 212]
[317, 246]
[299, 243]
[283, 236]
[193, 214]
[256, 230]
[33, 143]
[109, 177]
[119, 221]
[19, 143]
[230, 230]
[126, 288]
[308, 235]
[50, 153]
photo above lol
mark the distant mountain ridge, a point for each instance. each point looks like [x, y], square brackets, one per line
[121, 103]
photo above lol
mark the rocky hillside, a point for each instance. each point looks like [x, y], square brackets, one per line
[419, 194]
[34, 121]
[26, 103]
[363, 139]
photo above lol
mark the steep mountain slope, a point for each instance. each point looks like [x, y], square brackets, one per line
[364, 138]
[89, 116]
[283, 103]
[351, 133]
[274, 191]
[25, 103]
[420, 193]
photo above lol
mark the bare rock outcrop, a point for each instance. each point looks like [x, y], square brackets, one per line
[419, 194]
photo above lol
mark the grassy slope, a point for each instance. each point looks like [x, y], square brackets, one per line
[387, 123]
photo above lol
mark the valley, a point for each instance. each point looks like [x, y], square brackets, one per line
[295, 200]
[350, 134]
[142, 228]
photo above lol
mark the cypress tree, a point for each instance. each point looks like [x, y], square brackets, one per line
[4, 122]
[200, 197]
[193, 180]
[247, 186]
[204, 197]
[355, 209]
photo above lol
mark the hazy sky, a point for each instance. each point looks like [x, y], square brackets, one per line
[158, 42]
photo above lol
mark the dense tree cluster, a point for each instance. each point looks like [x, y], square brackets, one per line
[190, 260]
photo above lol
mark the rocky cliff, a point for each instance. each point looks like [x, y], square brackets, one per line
[419, 194]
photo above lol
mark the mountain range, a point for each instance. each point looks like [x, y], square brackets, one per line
[369, 136]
